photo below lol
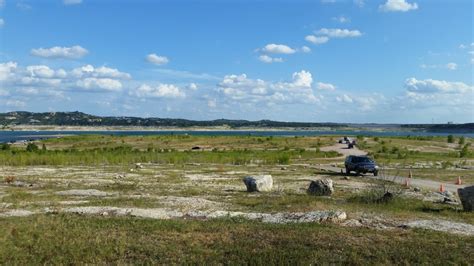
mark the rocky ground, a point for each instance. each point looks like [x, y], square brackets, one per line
[206, 192]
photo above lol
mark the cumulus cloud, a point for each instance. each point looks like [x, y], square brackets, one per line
[268, 59]
[398, 6]
[2, 22]
[73, 52]
[72, 2]
[243, 89]
[429, 86]
[339, 33]
[99, 83]
[99, 72]
[7, 70]
[305, 49]
[156, 59]
[159, 91]
[278, 49]
[325, 86]
[344, 98]
[27, 79]
[193, 86]
[316, 39]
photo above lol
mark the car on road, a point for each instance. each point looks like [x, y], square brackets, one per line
[361, 164]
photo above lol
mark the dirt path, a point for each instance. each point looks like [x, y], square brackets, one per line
[342, 149]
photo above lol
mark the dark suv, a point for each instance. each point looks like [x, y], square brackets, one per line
[361, 164]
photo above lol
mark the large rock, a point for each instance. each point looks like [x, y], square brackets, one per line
[321, 187]
[259, 183]
[467, 198]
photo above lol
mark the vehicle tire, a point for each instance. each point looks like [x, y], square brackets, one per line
[376, 173]
[348, 171]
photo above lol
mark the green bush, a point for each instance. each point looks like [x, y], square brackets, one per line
[450, 139]
[31, 147]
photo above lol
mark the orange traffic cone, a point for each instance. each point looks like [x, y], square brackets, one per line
[441, 188]
[459, 181]
[410, 175]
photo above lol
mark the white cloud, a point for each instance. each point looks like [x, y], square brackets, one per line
[305, 49]
[278, 49]
[344, 98]
[26, 80]
[2, 3]
[212, 103]
[15, 103]
[268, 59]
[99, 72]
[2, 22]
[342, 19]
[159, 91]
[7, 70]
[72, 2]
[156, 59]
[99, 83]
[242, 89]
[302, 79]
[73, 52]
[398, 6]
[193, 86]
[325, 86]
[429, 86]
[316, 39]
[4, 92]
[451, 66]
[339, 33]
[328, 1]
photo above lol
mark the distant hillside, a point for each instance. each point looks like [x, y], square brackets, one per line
[82, 119]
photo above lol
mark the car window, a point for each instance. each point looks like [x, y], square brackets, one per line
[361, 160]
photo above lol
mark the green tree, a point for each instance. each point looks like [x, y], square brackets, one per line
[462, 140]
[464, 151]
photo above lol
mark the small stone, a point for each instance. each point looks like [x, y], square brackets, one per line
[258, 183]
[416, 189]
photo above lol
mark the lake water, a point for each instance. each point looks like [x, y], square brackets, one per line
[9, 136]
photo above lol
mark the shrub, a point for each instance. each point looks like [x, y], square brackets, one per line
[31, 147]
[462, 140]
[450, 139]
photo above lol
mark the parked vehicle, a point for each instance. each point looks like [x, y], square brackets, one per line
[361, 164]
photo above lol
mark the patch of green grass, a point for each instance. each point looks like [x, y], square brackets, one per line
[71, 239]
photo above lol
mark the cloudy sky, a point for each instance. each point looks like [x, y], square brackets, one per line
[402, 61]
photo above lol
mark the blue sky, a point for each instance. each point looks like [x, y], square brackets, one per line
[386, 61]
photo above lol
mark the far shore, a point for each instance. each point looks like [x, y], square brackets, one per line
[217, 128]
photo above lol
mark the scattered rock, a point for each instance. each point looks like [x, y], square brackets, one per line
[283, 168]
[346, 178]
[445, 197]
[260, 183]
[321, 187]
[416, 189]
[162, 213]
[84, 192]
[138, 166]
[443, 225]
[16, 213]
[467, 198]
